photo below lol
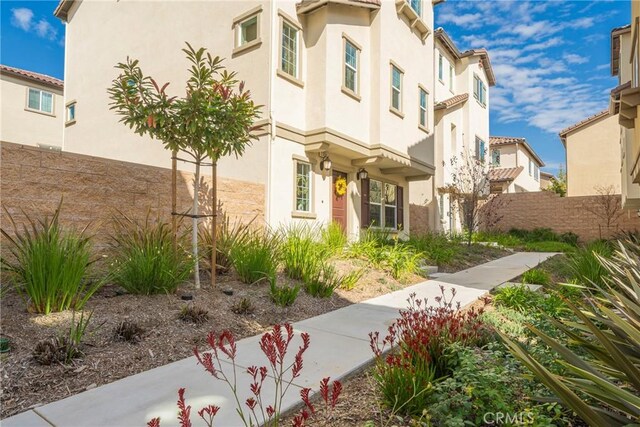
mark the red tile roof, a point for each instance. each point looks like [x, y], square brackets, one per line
[444, 38]
[30, 75]
[504, 174]
[451, 102]
[563, 133]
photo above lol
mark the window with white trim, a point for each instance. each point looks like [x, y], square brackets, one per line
[383, 207]
[416, 5]
[396, 88]
[536, 173]
[451, 77]
[303, 185]
[40, 100]
[479, 90]
[530, 167]
[247, 30]
[495, 157]
[71, 112]
[440, 67]
[351, 55]
[424, 109]
[289, 53]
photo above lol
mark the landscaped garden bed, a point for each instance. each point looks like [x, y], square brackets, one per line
[135, 317]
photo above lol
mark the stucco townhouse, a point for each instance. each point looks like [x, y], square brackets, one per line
[461, 114]
[515, 166]
[625, 105]
[32, 109]
[346, 85]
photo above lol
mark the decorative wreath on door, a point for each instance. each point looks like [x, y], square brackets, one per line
[340, 186]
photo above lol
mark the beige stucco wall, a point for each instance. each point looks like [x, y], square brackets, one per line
[93, 50]
[23, 126]
[593, 157]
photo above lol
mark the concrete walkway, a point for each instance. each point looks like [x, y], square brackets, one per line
[339, 346]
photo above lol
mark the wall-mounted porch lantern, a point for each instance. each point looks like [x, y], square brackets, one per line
[325, 163]
[362, 174]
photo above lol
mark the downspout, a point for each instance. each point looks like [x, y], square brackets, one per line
[64, 86]
[272, 124]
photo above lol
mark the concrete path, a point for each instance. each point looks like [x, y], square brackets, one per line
[339, 347]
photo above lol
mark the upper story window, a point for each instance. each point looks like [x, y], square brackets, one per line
[479, 90]
[416, 5]
[495, 157]
[40, 100]
[481, 149]
[530, 167]
[289, 56]
[351, 70]
[71, 113]
[440, 67]
[424, 108]
[247, 30]
[396, 89]
[303, 187]
[536, 173]
[451, 77]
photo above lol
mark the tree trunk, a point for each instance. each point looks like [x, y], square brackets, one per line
[194, 222]
[174, 200]
[214, 222]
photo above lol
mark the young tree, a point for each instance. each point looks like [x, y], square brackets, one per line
[607, 206]
[558, 183]
[469, 187]
[213, 119]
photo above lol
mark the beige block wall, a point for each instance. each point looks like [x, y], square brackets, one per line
[593, 157]
[545, 209]
[35, 179]
[23, 126]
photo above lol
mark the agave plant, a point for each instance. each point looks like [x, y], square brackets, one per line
[607, 328]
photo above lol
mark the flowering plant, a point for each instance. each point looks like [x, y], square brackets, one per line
[274, 346]
[341, 186]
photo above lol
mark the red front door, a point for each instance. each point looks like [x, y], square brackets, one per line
[339, 203]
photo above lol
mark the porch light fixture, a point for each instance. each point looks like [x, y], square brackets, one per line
[362, 174]
[325, 163]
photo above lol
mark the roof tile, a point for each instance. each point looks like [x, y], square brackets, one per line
[42, 78]
[451, 102]
[504, 174]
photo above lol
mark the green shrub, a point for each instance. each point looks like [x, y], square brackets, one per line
[535, 276]
[350, 280]
[300, 249]
[570, 238]
[228, 235]
[333, 238]
[284, 296]
[321, 281]
[144, 259]
[256, 258]
[517, 297]
[401, 260]
[49, 264]
[63, 348]
[548, 246]
[585, 265]
[503, 239]
[435, 247]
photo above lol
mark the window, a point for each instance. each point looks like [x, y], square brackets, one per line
[451, 75]
[479, 90]
[495, 157]
[530, 167]
[71, 112]
[289, 55]
[536, 173]
[248, 30]
[303, 187]
[351, 62]
[383, 207]
[480, 149]
[40, 100]
[424, 99]
[440, 67]
[416, 5]
[396, 88]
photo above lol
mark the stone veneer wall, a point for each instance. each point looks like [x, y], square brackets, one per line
[34, 180]
[545, 209]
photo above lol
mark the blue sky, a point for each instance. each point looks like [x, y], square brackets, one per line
[551, 58]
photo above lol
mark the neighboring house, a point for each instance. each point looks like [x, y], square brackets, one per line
[624, 104]
[593, 155]
[462, 81]
[545, 180]
[515, 167]
[32, 109]
[346, 88]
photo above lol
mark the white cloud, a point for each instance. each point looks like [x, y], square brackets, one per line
[470, 20]
[603, 67]
[45, 30]
[22, 18]
[554, 41]
[586, 22]
[573, 58]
